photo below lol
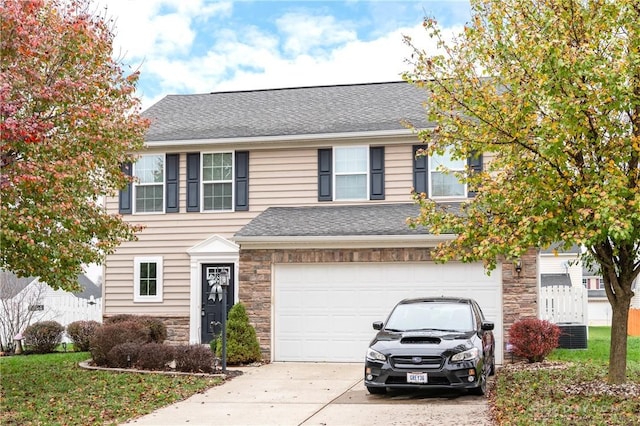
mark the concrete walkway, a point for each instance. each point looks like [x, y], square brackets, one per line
[315, 394]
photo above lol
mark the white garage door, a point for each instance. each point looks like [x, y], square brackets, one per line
[324, 312]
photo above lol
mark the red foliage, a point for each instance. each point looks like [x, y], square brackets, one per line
[68, 119]
[533, 338]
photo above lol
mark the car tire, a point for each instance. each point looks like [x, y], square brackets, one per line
[376, 391]
[492, 367]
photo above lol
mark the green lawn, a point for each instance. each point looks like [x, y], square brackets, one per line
[52, 389]
[573, 393]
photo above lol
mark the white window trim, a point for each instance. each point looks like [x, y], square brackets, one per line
[137, 184]
[431, 169]
[367, 173]
[233, 182]
[137, 297]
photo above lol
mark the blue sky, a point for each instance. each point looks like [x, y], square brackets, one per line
[201, 46]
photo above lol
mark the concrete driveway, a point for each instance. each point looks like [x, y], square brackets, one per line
[316, 394]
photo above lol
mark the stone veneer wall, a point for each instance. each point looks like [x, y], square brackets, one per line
[520, 293]
[177, 329]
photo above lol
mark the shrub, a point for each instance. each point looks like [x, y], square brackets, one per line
[43, 337]
[110, 335]
[120, 318]
[534, 339]
[242, 343]
[157, 329]
[155, 356]
[194, 359]
[124, 355]
[81, 333]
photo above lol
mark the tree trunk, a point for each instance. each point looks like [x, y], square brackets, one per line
[618, 348]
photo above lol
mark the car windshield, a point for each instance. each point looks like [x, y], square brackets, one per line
[443, 316]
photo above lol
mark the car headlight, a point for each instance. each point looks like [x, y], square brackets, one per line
[373, 355]
[473, 353]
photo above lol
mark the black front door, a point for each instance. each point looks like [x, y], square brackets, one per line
[211, 300]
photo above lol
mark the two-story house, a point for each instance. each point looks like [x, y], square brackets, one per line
[300, 196]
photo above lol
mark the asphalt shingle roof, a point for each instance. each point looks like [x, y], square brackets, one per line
[287, 112]
[548, 280]
[371, 219]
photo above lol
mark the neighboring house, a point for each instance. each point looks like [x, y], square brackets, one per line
[560, 267]
[24, 301]
[552, 262]
[301, 196]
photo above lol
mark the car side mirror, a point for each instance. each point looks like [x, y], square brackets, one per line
[378, 325]
[487, 325]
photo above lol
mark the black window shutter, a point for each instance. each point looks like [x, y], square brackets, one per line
[124, 197]
[242, 180]
[172, 182]
[193, 182]
[324, 174]
[376, 158]
[475, 166]
[420, 171]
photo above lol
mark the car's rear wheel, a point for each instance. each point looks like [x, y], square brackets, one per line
[492, 367]
[376, 391]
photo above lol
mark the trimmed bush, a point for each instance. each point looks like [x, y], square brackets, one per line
[155, 356]
[110, 335]
[43, 337]
[120, 318]
[124, 355]
[533, 338]
[242, 342]
[157, 329]
[81, 333]
[194, 359]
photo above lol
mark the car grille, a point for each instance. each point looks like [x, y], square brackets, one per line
[409, 362]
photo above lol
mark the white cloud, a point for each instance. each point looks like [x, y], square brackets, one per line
[184, 48]
[157, 27]
[303, 33]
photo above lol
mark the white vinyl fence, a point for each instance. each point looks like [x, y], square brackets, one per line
[563, 304]
[69, 308]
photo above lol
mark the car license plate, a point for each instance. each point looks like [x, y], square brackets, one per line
[417, 378]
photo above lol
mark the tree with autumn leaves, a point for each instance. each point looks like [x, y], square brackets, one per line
[549, 91]
[69, 119]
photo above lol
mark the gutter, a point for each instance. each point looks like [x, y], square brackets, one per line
[284, 140]
[341, 242]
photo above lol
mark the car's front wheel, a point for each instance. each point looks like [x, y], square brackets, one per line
[482, 386]
[376, 391]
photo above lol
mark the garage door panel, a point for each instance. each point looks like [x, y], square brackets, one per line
[324, 312]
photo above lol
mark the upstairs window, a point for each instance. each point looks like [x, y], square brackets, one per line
[435, 175]
[149, 184]
[217, 181]
[351, 172]
[444, 182]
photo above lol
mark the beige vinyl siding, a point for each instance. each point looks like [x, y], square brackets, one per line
[277, 177]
